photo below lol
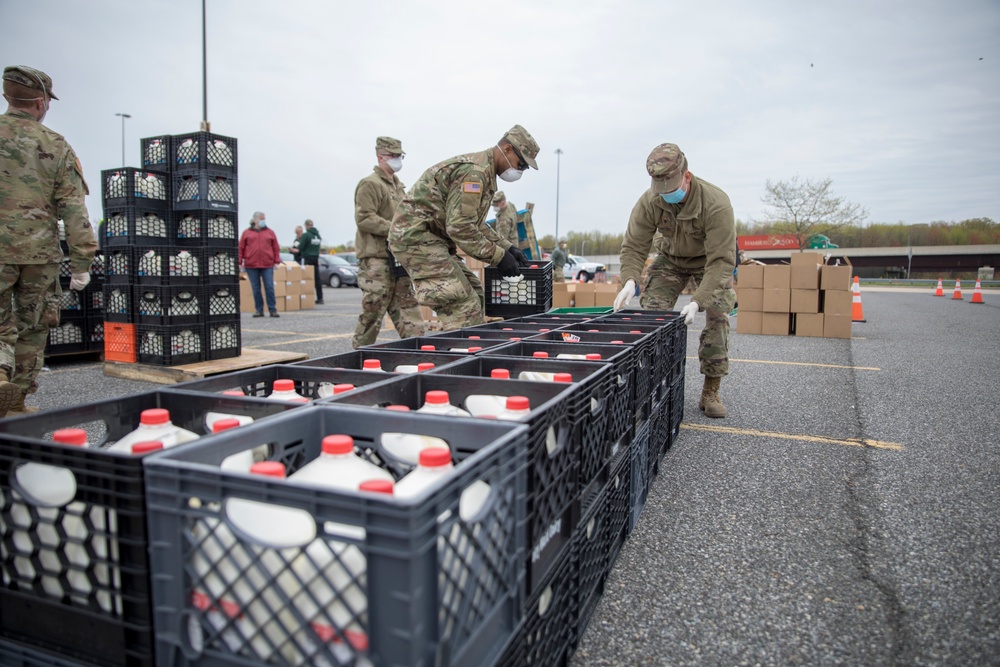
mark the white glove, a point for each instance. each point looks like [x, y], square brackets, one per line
[689, 311]
[624, 297]
[79, 281]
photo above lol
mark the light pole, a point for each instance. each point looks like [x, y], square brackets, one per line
[124, 116]
[558, 158]
[583, 247]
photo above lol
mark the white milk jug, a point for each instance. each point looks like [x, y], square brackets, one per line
[438, 403]
[154, 424]
[406, 447]
[338, 466]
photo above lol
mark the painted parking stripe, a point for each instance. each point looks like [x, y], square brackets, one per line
[801, 363]
[849, 442]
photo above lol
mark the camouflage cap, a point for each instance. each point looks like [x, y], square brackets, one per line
[29, 77]
[499, 198]
[389, 145]
[524, 143]
[667, 165]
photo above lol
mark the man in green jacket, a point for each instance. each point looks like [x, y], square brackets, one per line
[309, 247]
[695, 237]
[383, 291]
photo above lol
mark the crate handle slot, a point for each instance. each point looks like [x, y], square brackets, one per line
[45, 485]
[251, 520]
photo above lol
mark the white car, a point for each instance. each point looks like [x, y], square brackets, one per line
[580, 268]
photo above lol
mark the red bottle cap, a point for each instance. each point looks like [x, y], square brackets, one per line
[70, 436]
[225, 424]
[563, 377]
[284, 385]
[435, 457]
[154, 416]
[338, 444]
[540, 355]
[475, 349]
[398, 408]
[146, 447]
[437, 397]
[593, 356]
[341, 388]
[268, 469]
[233, 392]
[424, 366]
[372, 365]
[500, 374]
[518, 403]
[376, 486]
[427, 348]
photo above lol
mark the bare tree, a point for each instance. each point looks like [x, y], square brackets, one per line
[807, 207]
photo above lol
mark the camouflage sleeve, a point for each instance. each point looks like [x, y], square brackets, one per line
[637, 241]
[70, 189]
[367, 201]
[720, 256]
[463, 223]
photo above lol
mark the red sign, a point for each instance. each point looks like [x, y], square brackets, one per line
[768, 242]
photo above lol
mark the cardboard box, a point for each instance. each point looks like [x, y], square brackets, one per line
[309, 272]
[474, 264]
[281, 288]
[805, 277]
[809, 324]
[750, 276]
[837, 302]
[605, 295]
[836, 278]
[804, 301]
[836, 326]
[307, 287]
[777, 276]
[280, 273]
[776, 324]
[307, 301]
[750, 299]
[807, 258]
[246, 295]
[777, 300]
[748, 321]
[586, 295]
[293, 288]
[279, 302]
[291, 301]
[293, 271]
[563, 295]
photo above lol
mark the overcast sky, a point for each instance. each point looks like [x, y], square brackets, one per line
[897, 101]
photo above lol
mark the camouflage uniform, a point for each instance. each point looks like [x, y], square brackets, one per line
[693, 239]
[445, 210]
[559, 259]
[506, 224]
[375, 200]
[42, 183]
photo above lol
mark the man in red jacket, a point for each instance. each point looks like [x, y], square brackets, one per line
[259, 255]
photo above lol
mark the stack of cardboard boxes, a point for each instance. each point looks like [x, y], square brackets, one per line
[584, 295]
[806, 298]
[293, 289]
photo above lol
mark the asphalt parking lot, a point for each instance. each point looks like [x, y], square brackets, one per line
[845, 513]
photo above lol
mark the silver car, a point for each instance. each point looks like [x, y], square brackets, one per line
[336, 271]
[580, 268]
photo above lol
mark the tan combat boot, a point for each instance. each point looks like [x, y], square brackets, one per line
[10, 395]
[710, 402]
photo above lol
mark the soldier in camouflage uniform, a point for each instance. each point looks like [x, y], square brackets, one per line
[445, 210]
[695, 237]
[506, 225]
[375, 200]
[559, 258]
[42, 183]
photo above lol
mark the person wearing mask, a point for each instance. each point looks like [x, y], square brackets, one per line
[506, 213]
[446, 210]
[382, 290]
[696, 239]
[259, 254]
[42, 183]
[295, 250]
[559, 259]
[309, 247]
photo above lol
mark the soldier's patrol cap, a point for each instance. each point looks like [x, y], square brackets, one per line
[524, 143]
[499, 197]
[389, 145]
[667, 166]
[29, 77]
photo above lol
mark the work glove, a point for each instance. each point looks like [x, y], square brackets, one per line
[79, 281]
[624, 297]
[519, 256]
[508, 265]
[689, 311]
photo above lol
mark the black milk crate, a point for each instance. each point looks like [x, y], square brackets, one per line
[203, 150]
[97, 266]
[590, 549]
[513, 327]
[13, 654]
[676, 408]
[389, 359]
[198, 228]
[223, 339]
[128, 186]
[551, 320]
[222, 265]
[311, 383]
[443, 576]
[204, 190]
[118, 265]
[71, 302]
[674, 337]
[484, 334]
[118, 303]
[144, 223]
[621, 416]
[547, 634]
[169, 304]
[619, 506]
[168, 265]
[222, 301]
[170, 345]
[441, 344]
[532, 294]
[156, 153]
[641, 479]
[69, 336]
[93, 296]
[589, 402]
[94, 333]
[97, 610]
[552, 455]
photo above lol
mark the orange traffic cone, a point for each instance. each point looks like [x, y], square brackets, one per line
[940, 289]
[857, 312]
[977, 294]
[958, 291]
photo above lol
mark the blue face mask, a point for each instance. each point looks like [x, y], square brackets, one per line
[262, 224]
[675, 197]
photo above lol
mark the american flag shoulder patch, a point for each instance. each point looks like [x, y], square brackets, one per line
[471, 186]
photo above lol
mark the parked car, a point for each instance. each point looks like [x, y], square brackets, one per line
[580, 268]
[335, 271]
[351, 257]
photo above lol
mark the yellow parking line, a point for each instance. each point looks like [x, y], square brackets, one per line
[802, 363]
[849, 442]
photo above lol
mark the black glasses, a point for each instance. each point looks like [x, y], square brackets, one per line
[522, 163]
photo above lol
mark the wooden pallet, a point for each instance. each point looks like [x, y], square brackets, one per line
[251, 358]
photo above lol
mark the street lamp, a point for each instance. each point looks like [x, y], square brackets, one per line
[124, 116]
[558, 158]
[583, 247]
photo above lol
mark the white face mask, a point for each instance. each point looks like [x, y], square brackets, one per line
[511, 174]
[395, 163]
